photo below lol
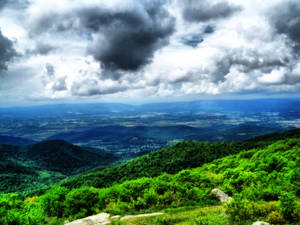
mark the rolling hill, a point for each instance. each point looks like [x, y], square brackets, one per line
[39, 165]
[184, 155]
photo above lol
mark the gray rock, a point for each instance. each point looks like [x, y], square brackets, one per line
[117, 217]
[260, 223]
[141, 215]
[221, 195]
[99, 219]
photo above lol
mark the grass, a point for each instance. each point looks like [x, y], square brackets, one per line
[214, 215]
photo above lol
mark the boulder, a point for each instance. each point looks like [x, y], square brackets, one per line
[141, 215]
[99, 219]
[117, 217]
[260, 223]
[223, 197]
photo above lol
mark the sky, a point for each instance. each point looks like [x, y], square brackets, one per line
[147, 50]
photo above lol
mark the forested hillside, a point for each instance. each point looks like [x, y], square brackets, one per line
[39, 165]
[184, 155]
[264, 183]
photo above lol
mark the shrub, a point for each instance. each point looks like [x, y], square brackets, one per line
[117, 208]
[240, 210]
[52, 201]
[81, 202]
[161, 221]
[10, 209]
[33, 214]
[275, 218]
[288, 206]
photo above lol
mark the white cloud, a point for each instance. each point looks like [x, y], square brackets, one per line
[240, 52]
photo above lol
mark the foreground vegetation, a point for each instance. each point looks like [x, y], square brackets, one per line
[184, 155]
[264, 182]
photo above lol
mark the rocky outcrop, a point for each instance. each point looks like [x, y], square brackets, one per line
[104, 218]
[260, 223]
[141, 215]
[223, 197]
[99, 219]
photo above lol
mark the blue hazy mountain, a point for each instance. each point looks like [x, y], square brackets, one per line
[192, 107]
[17, 141]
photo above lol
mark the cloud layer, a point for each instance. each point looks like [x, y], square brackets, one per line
[206, 10]
[7, 51]
[148, 49]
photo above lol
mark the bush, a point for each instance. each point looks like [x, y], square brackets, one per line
[33, 213]
[117, 208]
[81, 202]
[237, 210]
[161, 221]
[10, 209]
[240, 210]
[275, 218]
[288, 206]
[52, 201]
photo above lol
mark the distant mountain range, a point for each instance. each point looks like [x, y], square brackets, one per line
[17, 141]
[291, 106]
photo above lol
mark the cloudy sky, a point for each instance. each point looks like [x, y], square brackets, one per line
[147, 50]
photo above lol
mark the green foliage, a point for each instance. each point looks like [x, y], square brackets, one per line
[275, 218]
[53, 201]
[253, 178]
[10, 207]
[26, 169]
[209, 220]
[241, 211]
[161, 221]
[188, 154]
[289, 207]
[14, 211]
[81, 202]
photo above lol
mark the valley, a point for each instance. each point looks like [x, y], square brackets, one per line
[133, 130]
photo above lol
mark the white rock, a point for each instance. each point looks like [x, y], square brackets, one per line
[221, 195]
[117, 217]
[141, 215]
[260, 223]
[99, 219]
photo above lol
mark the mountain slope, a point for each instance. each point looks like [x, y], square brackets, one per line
[184, 155]
[264, 183]
[264, 174]
[61, 156]
[45, 163]
[188, 154]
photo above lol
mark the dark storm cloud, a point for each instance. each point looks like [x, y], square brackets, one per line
[205, 10]
[91, 87]
[246, 61]
[130, 38]
[7, 51]
[3, 3]
[50, 71]
[43, 49]
[192, 41]
[195, 39]
[286, 19]
[13, 4]
[125, 39]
